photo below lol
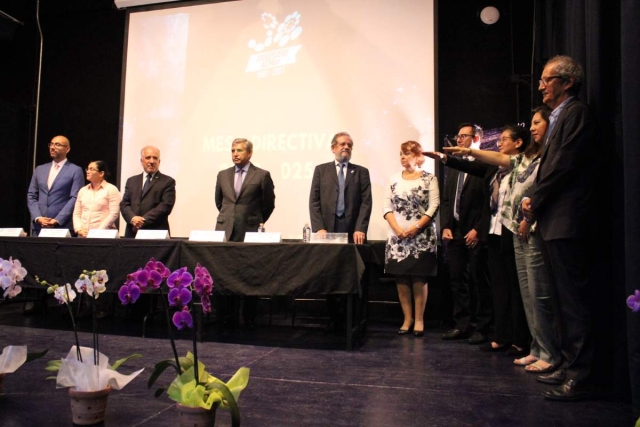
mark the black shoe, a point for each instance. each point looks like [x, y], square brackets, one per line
[554, 378]
[477, 338]
[569, 391]
[454, 334]
[418, 333]
[406, 331]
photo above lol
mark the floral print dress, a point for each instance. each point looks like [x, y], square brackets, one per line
[409, 201]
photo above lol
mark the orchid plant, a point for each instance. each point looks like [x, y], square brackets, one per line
[12, 357]
[78, 371]
[11, 272]
[193, 385]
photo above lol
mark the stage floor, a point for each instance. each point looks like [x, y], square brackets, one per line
[300, 377]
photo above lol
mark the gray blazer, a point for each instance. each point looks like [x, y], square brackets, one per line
[253, 206]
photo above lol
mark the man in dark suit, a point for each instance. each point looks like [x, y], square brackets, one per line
[562, 204]
[465, 222]
[340, 204]
[245, 198]
[149, 197]
[54, 187]
[332, 212]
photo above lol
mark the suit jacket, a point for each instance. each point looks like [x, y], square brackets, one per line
[59, 201]
[154, 207]
[562, 199]
[253, 206]
[474, 201]
[324, 197]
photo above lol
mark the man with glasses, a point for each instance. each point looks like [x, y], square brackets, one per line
[54, 187]
[464, 221]
[562, 203]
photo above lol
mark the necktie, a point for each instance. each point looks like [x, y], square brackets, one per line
[238, 185]
[146, 186]
[53, 174]
[340, 207]
[456, 215]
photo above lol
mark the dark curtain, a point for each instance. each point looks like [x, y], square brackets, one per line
[602, 36]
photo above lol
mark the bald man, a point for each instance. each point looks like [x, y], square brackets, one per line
[54, 187]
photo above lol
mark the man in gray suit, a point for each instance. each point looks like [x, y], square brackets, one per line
[340, 202]
[245, 198]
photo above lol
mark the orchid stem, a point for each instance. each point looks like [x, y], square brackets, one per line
[195, 341]
[96, 343]
[173, 344]
[73, 323]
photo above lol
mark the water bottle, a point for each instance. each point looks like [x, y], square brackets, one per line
[306, 233]
[261, 228]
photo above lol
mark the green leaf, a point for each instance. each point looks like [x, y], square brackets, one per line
[159, 369]
[230, 402]
[35, 355]
[53, 365]
[159, 392]
[121, 361]
[52, 378]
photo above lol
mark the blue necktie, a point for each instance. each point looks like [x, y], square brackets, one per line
[238, 185]
[459, 194]
[340, 207]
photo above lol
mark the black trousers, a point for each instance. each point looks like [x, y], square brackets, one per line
[570, 263]
[510, 319]
[470, 288]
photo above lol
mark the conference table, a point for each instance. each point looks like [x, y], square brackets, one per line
[254, 269]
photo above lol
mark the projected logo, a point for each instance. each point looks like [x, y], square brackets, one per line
[273, 54]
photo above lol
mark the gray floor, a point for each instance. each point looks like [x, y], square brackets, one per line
[388, 381]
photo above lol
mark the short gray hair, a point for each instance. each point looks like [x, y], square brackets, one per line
[247, 143]
[149, 147]
[334, 141]
[568, 68]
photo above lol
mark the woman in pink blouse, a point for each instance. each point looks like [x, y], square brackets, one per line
[98, 203]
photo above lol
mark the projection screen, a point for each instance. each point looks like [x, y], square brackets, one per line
[286, 75]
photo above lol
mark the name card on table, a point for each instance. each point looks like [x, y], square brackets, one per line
[254, 237]
[54, 232]
[207, 236]
[341, 238]
[103, 234]
[12, 232]
[152, 234]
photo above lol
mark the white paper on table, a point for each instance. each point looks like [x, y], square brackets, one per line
[12, 357]
[85, 376]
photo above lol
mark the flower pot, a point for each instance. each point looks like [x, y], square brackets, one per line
[88, 407]
[191, 416]
[1, 381]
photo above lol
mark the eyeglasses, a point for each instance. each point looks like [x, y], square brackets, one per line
[462, 136]
[56, 144]
[504, 139]
[92, 170]
[544, 81]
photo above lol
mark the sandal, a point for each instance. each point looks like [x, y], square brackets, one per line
[535, 368]
[525, 361]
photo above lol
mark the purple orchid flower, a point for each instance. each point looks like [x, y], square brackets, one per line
[633, 302]
[203, 283]
[179, 278]
[148, 279]
[183, 318]
[159, 267]
[206, 304]
[179, 297]
[129, 294]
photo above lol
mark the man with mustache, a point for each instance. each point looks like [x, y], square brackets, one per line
[340, 202]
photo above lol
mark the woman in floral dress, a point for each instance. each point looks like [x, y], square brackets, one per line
[411, 201]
